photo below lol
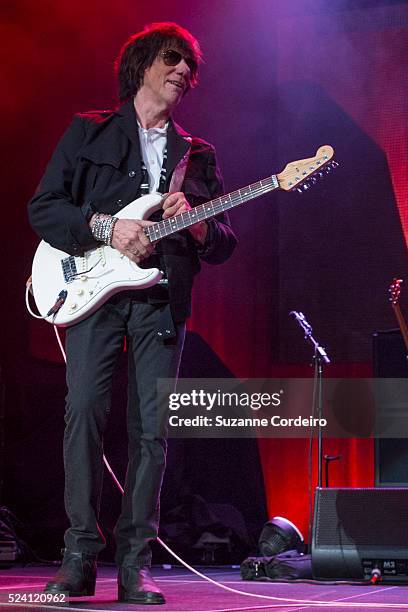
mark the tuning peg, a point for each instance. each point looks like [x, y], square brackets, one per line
[299, 189]
[306, 186]
[334, 164]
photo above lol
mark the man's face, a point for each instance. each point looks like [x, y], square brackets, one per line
[166, 84]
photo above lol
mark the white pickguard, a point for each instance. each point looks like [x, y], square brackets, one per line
[102, 273]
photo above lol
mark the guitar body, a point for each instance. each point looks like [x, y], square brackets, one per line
[92, 279]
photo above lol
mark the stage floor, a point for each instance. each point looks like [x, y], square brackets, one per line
[186, 592]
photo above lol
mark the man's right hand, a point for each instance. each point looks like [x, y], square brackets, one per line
[129, 239]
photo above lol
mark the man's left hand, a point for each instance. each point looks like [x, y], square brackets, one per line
[175, 204]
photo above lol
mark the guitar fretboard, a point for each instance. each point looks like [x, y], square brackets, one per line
[210, 209]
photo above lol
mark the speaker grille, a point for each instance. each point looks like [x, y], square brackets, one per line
[362, 517]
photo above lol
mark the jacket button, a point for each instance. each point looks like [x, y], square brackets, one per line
[119, 202]
[132, 173]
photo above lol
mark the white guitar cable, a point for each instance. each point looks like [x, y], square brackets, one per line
[286, 601]
[29, 290]
[62, 296]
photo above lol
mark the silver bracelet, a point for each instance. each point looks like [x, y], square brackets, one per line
[102, 228]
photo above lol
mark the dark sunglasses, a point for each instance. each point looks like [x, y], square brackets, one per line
[173, 58]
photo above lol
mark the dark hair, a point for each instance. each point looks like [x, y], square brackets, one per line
[139, 52]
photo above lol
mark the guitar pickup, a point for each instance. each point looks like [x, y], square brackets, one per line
[69, 269]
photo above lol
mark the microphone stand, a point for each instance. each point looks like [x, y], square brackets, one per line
[320, 358]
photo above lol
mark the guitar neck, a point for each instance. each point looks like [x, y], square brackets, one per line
[210, 209]
[401, 322]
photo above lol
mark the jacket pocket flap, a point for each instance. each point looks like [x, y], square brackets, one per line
[102, 156]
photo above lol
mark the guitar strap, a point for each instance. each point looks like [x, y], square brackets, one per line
[144, 186]
[176, 179]
[180, 171]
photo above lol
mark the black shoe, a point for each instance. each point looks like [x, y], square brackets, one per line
[136, 585]
[76, 576]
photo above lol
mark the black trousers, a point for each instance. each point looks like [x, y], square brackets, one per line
[93, 347]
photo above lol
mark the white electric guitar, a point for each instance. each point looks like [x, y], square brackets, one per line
[68, 289]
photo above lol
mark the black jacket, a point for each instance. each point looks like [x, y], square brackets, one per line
[97, 167]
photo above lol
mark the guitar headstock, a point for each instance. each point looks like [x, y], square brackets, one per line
[302, 174]
[395, 291]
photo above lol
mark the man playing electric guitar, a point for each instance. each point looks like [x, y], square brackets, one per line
[104, 161]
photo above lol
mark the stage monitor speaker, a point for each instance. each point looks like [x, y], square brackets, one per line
[391, 454]
[358, 530]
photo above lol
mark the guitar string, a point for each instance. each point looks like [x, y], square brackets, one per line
[217, 206]
[168, 226]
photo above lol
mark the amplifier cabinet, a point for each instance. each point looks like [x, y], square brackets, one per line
[357, 530]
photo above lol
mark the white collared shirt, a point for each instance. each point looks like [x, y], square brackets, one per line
[152, 144]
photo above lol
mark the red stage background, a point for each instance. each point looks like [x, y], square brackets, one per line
[277, 82]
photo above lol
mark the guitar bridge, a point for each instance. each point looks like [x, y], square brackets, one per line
[69, 269]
